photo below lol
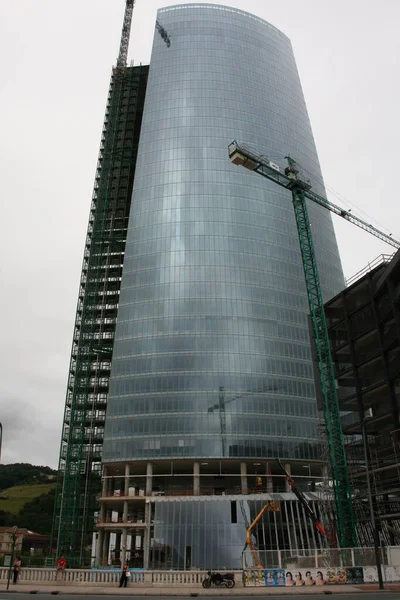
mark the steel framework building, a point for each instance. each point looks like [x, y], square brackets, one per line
[364, 329]
[93, 338]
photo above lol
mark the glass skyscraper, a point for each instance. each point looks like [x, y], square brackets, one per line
[211, 375]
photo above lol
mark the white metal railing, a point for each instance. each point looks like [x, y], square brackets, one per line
[72, 576]
[108, 576]
[381, 259]
[277, 559]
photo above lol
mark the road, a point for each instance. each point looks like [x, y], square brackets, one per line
[392, 595]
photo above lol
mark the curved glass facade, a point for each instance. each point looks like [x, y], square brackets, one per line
[212, 355]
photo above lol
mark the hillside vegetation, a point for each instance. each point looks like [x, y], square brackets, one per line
[14, 498]
[22, 473]
[27, 496]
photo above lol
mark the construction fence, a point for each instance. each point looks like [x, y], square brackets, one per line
[320, 567]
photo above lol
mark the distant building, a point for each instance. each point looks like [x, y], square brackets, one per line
[6, 539]
[364, 329]
[27, 542]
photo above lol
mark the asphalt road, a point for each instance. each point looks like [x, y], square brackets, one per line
[392, 595]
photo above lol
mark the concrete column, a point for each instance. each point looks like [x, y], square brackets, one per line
[196, 479]
[243, 477]
[126, 486]
[123, 545]
[289, 472]
[125, 512]
[99, 547]
[102, 514]
[149, 479]
[106, 546]
[111, 486]
[270, 485]
[104, 490]
[146, 538]
[118, 545]
[100, 537]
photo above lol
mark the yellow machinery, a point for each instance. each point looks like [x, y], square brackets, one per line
[249, 542]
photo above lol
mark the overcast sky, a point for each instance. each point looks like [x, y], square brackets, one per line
[55, 60]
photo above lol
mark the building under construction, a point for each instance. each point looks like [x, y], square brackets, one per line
[88, 382]
[364, 329]
[191, 367]
[202, 380]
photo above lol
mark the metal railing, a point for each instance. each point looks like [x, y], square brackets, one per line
[381, 259]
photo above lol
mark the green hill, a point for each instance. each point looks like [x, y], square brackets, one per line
[22, 473]
[13, 499]
[27, 496]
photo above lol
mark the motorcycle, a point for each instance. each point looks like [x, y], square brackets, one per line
[219, 580]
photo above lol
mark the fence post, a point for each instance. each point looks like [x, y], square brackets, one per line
[279, 559]
[352, 558]
[316, 557]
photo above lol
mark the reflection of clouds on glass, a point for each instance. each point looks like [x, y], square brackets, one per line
[213, 290]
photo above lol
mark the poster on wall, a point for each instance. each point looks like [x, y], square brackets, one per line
[253, 578]
[274, 577]
[264, 577]
[370, 574]
[355, 575]
[306, 577]
[390, 574]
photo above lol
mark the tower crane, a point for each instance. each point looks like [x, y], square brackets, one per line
[125, 34]
[78, 482]
[301, 190]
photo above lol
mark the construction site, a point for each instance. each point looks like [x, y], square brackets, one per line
[266, 489]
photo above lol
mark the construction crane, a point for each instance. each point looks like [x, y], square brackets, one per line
[78, 483]
[163, 33]
[222, 402]
[125, 35]
[301, 190]
[271, 506]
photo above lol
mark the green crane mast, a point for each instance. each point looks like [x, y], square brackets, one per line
[301, 190]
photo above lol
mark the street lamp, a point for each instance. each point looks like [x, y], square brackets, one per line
[368, 414]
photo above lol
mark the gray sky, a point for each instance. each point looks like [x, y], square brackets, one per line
[55, 61]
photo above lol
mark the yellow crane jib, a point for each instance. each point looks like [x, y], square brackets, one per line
[271, 506]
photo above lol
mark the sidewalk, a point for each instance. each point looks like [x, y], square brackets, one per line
[146, 590]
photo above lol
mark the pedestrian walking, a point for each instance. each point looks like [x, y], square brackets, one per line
[124, 576]
[16, 568]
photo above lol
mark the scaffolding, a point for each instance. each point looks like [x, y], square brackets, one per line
[93, 339]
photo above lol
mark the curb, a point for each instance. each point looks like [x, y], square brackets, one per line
[193, 595]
